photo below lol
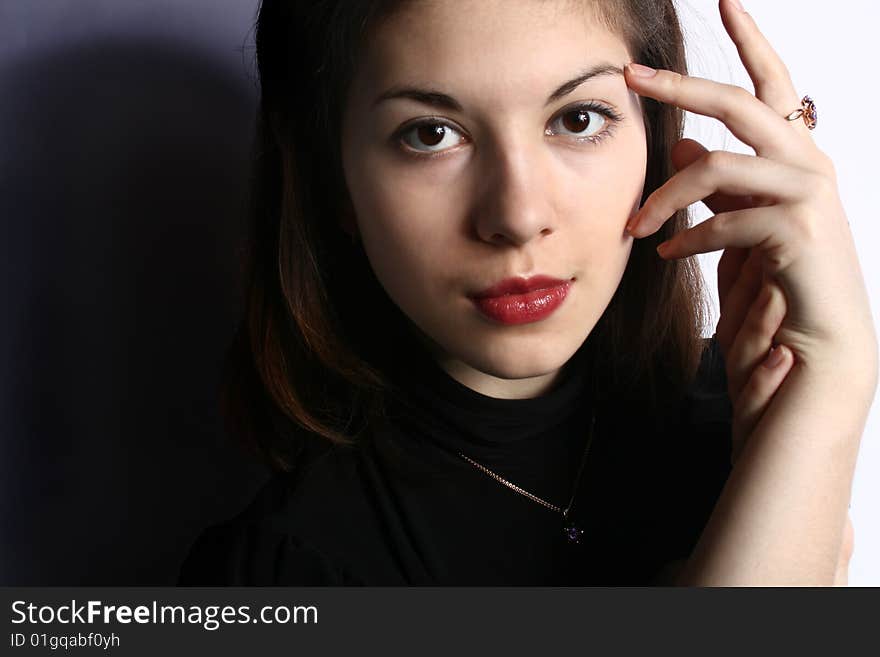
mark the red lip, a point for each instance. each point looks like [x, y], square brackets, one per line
[519, 286]
[521, 300]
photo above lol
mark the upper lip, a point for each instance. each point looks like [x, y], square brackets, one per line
[519, 285]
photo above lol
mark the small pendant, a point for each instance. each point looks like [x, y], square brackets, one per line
[572, 533]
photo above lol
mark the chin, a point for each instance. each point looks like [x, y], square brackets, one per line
[505, 360]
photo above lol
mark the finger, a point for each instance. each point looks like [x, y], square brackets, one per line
[769, 74]
[729, 267]
[755, 337]
[686, 152]
[750, 120]
[755, 398]
[737, 296]
[742, 229]
[730, 173]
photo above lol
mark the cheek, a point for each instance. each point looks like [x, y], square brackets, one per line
[396, 213]
[603, 191]
[404, 224]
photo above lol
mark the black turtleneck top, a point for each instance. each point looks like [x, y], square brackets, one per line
[403, 507]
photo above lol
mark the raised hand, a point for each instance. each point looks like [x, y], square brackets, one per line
[788, 210]
[789, 274]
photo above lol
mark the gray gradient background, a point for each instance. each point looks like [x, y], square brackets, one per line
[125, 128]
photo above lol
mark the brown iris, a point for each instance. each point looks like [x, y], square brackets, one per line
[581, 122]
[431, 135]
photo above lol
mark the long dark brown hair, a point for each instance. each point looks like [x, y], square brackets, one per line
[300, 352]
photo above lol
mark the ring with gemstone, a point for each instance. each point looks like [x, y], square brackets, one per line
[808, 111]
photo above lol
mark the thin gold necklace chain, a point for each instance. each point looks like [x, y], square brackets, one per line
[531, 496]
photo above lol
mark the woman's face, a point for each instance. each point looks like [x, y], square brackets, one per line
[506, 178]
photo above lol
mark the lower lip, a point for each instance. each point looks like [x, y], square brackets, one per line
[523, 308]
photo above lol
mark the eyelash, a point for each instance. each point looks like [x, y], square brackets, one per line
[613, 118]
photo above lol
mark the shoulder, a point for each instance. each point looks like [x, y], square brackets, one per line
[276, 539]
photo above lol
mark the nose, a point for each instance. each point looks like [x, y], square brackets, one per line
[516, 197]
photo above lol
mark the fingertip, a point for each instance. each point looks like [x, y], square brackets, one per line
[777, 356]
[639, 71]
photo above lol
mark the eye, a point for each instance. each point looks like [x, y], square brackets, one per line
[590, 122]
[433, 134]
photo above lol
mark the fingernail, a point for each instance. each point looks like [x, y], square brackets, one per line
[642, 71]
[663, 248]
[737, 4]
[775, 357]
[631, 226]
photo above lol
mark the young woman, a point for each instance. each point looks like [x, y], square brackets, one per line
[464, 352]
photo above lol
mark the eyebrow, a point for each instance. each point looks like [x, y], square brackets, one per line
[445, 101]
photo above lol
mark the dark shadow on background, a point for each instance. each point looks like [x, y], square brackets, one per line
[123, 175]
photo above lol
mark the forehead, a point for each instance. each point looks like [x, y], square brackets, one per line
[496, 42]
